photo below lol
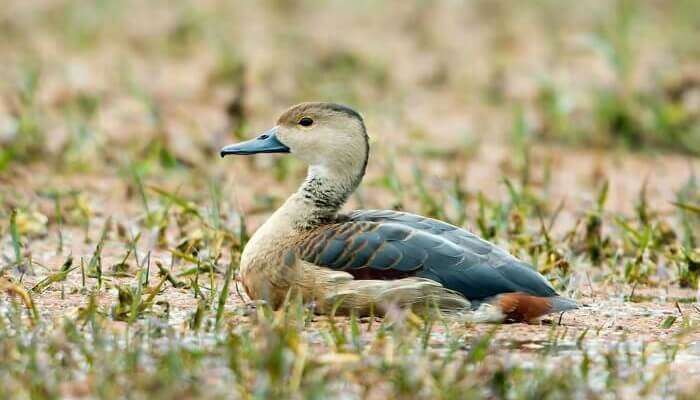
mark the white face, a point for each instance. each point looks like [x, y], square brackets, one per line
[325, 138]
[323, 135]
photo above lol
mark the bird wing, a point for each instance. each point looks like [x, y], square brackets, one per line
[379, 244]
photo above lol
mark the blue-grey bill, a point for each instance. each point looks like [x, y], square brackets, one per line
[265, 143]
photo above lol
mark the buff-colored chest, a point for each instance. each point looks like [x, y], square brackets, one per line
[263, 271]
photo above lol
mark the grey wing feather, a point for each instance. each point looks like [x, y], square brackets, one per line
[383, 244]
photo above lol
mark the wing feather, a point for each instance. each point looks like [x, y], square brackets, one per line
[385, 244]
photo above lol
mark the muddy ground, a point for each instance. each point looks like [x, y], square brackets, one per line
[118, 109]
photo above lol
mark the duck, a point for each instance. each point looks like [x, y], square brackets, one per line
[368, 261]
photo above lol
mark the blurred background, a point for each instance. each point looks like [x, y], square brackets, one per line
[566, 132]
[457, 96]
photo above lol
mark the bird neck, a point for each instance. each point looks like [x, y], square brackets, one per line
[319, 198]
[316, 202]
[322, 194]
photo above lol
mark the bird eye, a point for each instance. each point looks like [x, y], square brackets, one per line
[306, 121]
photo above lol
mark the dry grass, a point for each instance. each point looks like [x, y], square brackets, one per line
[569, 135]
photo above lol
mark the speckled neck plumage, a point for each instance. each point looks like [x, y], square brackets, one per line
[323, 199]
[324, 192]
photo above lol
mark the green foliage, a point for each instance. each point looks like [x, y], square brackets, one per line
[26, 134]
[112, 115]
[623, 113]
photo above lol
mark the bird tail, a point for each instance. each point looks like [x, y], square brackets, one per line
[561, 304]
[518, 306]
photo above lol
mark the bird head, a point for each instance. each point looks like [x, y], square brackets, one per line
[324, 135]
